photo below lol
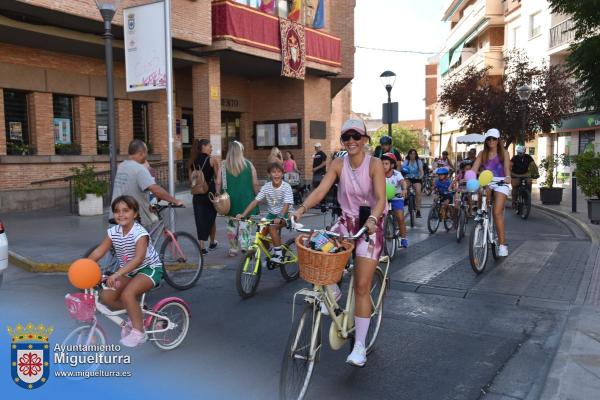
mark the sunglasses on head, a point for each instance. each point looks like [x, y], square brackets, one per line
[354, 135]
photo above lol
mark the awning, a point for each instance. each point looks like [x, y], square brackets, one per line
[579, 122]
[456, 53]
[471, 138]
[444, 65]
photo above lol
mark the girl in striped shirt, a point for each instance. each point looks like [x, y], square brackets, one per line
[140, 268]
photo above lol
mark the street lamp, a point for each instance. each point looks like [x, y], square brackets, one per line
[107, 9]
[388, 78]
[441, 118]
[524, 93]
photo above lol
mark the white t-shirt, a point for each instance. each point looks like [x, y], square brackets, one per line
[395, 180]
[276, 197]
[134, 179]
[125, 245]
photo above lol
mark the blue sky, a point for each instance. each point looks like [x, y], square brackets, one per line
[401, 25]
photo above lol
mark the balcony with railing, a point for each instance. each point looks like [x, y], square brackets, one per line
[562, 34]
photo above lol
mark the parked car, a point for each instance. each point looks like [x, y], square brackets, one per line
[3, 251]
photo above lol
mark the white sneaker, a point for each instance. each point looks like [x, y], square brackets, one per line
[502, 250]
[277, 258]
[358, 357]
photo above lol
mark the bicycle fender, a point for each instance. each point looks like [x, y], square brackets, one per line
[162, 302]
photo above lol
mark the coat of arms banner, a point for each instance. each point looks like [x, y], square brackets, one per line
[293, 49]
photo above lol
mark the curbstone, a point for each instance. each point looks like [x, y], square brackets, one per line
[580, 224]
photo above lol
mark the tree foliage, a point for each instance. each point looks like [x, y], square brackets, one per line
[402, 138]
[584, 59]
[482, 101]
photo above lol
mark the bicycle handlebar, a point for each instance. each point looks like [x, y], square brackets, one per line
[300, 228]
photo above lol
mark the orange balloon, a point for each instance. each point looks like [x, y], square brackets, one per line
[84, 273]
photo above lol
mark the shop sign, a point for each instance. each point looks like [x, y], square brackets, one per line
[582, 121]
[62, 131]
[15, 131]
[102, 133]
[233, 104]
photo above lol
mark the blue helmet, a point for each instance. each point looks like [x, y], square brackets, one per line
[442, 171]
[385, 140]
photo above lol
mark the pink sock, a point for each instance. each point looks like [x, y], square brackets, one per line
[362, 326]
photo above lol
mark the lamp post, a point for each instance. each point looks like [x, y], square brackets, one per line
[441, 118]
[524, 93]
[107, 9]
[388, 78]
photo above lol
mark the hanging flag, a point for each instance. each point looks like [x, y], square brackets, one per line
[267, 6]
[319, 21]
[294, 14]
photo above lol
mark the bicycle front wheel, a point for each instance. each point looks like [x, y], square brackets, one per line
[525, 207]
[433, 220]
[289, 268]
[478, 248]
[176, 313]
[390, 235]
[182, 260]
[411, 208]
[84, 335]
[301, 352]
[460, 228]
[248, 274]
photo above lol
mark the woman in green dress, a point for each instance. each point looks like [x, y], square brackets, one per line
[240, 182]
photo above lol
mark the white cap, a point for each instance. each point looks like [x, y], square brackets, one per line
[493, 132]
[317, 144]
[355, 125]
[520, 149]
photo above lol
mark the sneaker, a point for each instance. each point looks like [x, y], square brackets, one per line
[135, 338]
[418, 214]
[404, 243]
[126, 329]
[358, 357]
[204, 251]
[232, 253]
[502, 250]
[277, 259]
[213, 245]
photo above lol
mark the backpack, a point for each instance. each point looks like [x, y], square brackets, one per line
[198, 183]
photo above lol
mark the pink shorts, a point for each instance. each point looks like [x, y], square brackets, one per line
[371, 249]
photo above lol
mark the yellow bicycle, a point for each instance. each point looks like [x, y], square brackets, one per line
[250, 269]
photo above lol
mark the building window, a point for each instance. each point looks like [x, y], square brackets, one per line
[586, 138]
[102, 126]
[251, 3]
[283, 134]
[140, 121]
[515, 38]
[16, 123]
[535, 25]
[64, 132]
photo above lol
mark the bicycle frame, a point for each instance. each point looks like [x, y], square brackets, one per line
[488, 217]
[259, 245]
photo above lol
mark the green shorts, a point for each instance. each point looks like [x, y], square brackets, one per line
[272, 217]
[154, 272]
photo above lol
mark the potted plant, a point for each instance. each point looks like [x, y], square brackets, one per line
[89, 190]
[72, 149]
[588, 179]
[103, 148]
[17, 148]
[548, 193]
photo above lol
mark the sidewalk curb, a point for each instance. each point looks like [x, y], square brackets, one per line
[33, 266]
[580, 224]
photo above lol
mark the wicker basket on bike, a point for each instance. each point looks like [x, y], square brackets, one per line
[321, 268]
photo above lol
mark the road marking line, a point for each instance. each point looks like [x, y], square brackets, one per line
[427, 268]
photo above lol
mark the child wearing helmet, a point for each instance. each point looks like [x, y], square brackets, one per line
[385, 146]
[459, 185]
[395, 178]
[442, 189]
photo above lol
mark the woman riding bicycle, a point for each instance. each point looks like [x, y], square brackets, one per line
[495, 158]
[415, 175]
[361, 193]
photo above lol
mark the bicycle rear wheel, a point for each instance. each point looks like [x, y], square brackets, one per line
[300, 354]
[433, 220]
[478, 248]
[248, 274]
[412, 207]
[377, 313]
[177, 314]
[289, 268]
[182, 260]
[449, 221]
[390, 235]
[460, 228]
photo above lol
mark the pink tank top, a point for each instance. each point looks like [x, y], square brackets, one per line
[288, 166]
[356, 187]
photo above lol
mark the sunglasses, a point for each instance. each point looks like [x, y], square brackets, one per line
[491, 138]
[354, 135]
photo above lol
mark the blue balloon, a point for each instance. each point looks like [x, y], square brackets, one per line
[472, 185]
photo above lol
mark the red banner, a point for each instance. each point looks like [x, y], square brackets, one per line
[293, 49]
[251, 27]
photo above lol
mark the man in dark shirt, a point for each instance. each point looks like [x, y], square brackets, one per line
[319, 165]
[519, 168]
[385, 146]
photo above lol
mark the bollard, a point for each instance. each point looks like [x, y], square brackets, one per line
[573, 193]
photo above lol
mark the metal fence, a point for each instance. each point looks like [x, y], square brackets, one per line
[159, 170]
[562, 33]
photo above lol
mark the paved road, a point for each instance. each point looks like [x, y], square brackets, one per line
[446, 334]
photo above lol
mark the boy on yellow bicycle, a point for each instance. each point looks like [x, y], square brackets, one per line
[396, 179]
[279, 197]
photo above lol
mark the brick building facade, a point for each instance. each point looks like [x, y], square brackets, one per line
[227, 85]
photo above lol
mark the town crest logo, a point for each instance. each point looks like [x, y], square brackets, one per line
[30, 355]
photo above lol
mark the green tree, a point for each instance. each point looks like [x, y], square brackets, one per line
[403, 139]
[584, 59]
